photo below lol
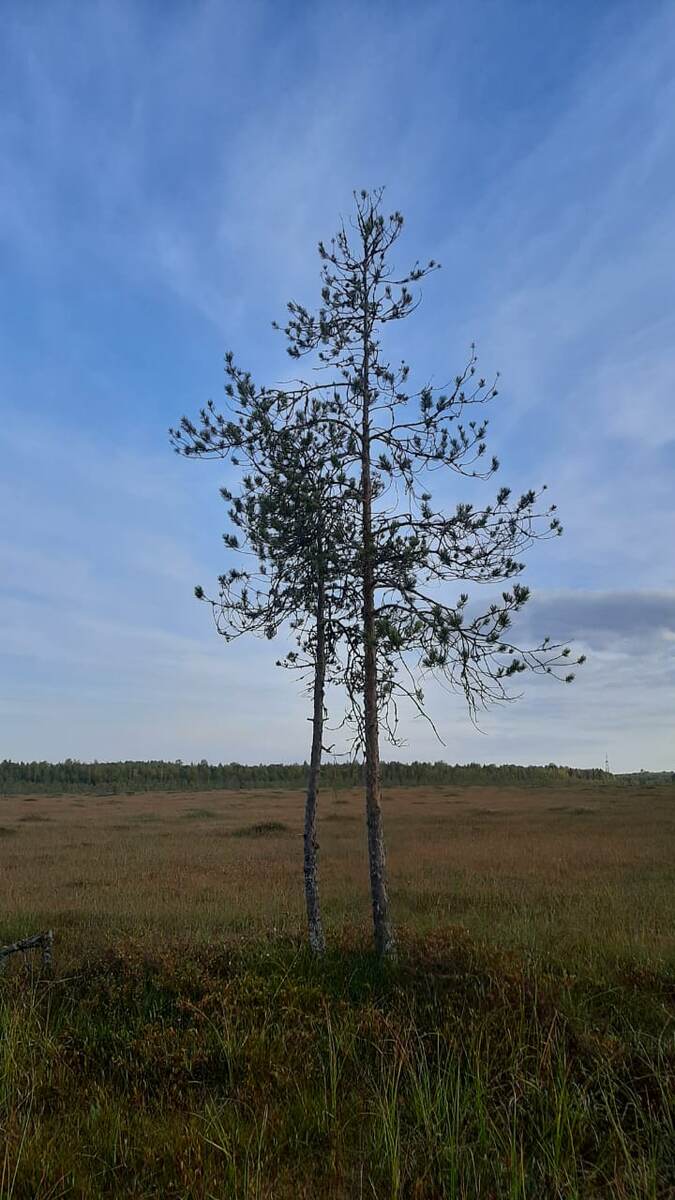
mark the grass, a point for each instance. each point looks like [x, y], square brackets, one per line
[187, 1046]
[577, 886]
[251, 1071]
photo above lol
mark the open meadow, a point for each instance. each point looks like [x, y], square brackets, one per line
[187, 1046]
[582, 870]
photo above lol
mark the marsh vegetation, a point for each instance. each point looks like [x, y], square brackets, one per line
[189, 1045]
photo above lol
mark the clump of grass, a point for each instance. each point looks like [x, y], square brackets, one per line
[34, 819]
[580, 811]
[7, 831]
[261, 829]
[198, 814]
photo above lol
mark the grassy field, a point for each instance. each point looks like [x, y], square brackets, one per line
[522, 1045]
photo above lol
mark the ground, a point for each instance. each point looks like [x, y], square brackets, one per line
[522, 1045]
[583, 869]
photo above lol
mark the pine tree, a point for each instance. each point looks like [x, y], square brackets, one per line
[336, 505]
[291, 516]
[391, 439]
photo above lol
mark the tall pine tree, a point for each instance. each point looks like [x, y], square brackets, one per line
[392, 440]
[338, 502]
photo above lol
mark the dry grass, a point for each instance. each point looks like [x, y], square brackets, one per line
[520, 1049]
[583, 871]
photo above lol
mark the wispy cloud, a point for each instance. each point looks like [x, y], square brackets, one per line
[165, 179]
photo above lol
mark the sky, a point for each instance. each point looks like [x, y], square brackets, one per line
[166, 171]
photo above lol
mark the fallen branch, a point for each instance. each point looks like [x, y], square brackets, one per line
[43, 940]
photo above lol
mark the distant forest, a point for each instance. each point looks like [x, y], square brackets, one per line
[101, 777]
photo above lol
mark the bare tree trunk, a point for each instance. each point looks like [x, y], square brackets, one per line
[317, 940]
[385, 942]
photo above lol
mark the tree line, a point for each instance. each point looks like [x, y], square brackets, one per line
[23, 778]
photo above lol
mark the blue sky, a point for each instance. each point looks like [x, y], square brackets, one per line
[167, 170]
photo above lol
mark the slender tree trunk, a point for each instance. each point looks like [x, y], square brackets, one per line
[385, 942]
[317, 940]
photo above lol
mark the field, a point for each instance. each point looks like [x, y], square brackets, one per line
[186, 1046]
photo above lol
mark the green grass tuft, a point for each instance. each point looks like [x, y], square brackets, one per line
[261, 829]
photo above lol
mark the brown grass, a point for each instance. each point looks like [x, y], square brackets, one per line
[586, 870]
